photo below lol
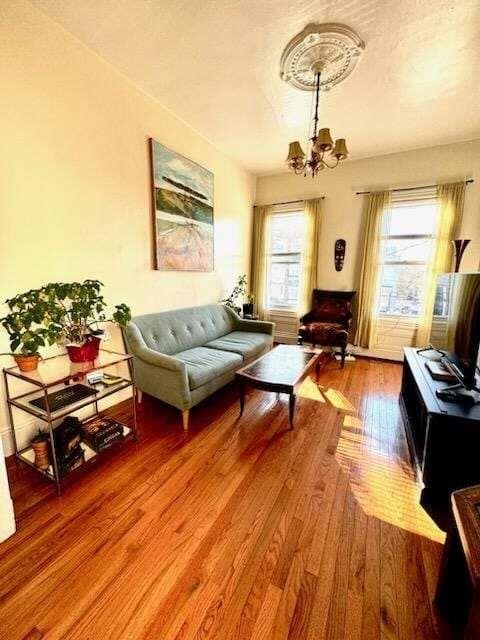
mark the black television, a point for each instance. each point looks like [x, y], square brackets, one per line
[456, 325]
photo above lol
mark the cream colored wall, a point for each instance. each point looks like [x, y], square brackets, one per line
[343, 210]
[75, 182]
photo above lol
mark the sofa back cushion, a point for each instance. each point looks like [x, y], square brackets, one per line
[172, 331]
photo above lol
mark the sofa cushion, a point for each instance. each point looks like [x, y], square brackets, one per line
[245, 343]
[170, 332]
[203, 364]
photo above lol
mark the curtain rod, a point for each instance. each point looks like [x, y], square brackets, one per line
[273, 204]
[426, 186]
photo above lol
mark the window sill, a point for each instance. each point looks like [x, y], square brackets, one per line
[399, 318]
[284, 311]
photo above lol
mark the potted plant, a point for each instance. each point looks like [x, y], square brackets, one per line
[248, 307]
[65, 313]
[238, 291]
[41, 447]
[74, 312]
[25, 328]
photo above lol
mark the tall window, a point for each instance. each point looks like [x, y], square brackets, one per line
[406, 250]
[284, 257]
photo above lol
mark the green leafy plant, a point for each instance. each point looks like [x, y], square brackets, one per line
[238, 291]
[24, 323]
[58, 313]
[75, 307]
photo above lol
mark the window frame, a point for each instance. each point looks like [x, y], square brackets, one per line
[433, 237]
[286, 309]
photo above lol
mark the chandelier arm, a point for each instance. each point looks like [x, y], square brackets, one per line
[330, 166]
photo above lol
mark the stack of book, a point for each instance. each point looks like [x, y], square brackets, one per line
[101, 432]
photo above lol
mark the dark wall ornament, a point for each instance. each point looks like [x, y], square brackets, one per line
[340, 246]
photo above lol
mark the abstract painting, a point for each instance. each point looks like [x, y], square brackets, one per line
[182, 212]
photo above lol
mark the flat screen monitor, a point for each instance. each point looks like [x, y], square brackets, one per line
[456, 323]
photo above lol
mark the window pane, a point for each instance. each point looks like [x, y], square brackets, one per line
[402, 289]
[284, 284]
[286, 233]
[419, 219]
[415, 249]
[285, 246]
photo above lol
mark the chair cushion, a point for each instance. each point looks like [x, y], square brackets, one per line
[324, 333]
[245, 343]
[203, 364]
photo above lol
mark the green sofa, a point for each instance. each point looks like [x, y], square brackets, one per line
[185, 355]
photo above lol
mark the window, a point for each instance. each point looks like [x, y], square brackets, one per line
[406, 250]
[284, 256]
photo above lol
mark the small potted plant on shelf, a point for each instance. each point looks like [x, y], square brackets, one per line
[248, 307]
[41, 447]
[75, 311]
[24, 325]
[238, 291]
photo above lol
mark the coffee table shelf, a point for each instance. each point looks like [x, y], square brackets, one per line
[52, 375]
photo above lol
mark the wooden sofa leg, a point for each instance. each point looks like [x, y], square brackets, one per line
[185, 416]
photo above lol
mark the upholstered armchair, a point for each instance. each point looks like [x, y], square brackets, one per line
[328, 323]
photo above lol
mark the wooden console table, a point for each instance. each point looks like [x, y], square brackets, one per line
[458, 590]
[443, 437]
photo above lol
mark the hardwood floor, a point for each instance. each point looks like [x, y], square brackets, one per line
[241, 529]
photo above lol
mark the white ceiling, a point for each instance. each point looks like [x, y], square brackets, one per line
[215, 63]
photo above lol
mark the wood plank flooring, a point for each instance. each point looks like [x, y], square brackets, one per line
[239, 530]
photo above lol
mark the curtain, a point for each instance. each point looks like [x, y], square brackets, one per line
[451, 198]
[377, 203]
[313, 213]
[258, 265]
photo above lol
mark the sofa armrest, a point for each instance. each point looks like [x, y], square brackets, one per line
[256, 326]
[136, 346]
[158, 374]
[159, 359]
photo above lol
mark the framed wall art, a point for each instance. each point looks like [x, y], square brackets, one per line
[182, 198]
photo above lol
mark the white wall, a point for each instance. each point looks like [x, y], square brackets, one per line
[343, 210]
[7, 518]
[75, 178]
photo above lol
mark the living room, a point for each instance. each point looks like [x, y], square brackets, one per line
[244, 310]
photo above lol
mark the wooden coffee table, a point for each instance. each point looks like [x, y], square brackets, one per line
[281, 370]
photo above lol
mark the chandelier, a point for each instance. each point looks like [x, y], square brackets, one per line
[315, 60]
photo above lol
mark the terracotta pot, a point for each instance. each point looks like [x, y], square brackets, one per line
[87, 352]
[42, 457]
[27, 363]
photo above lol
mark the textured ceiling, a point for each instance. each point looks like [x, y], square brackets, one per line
[215, 63]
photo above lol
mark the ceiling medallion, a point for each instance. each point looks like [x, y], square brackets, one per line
[336, 46]
[318, 58]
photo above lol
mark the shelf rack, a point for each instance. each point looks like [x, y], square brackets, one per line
[55, 373]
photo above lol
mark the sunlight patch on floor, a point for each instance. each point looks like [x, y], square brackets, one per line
[384, 487]
[309, 389]
[338, 400]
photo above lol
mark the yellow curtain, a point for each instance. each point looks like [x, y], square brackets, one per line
[451, 198]
[258, 265]
[377, 203]
[313, 221]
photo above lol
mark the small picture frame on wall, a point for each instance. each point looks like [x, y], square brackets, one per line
[182, 208]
